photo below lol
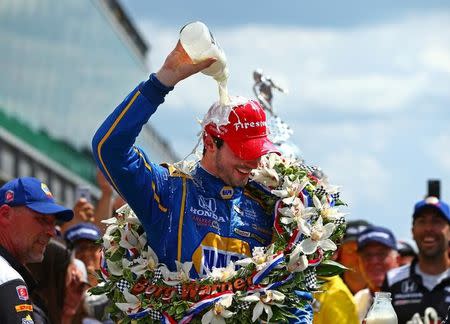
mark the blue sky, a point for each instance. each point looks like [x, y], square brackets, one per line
[368, 101]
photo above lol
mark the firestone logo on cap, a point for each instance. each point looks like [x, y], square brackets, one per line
[46, 190]
[9, 196]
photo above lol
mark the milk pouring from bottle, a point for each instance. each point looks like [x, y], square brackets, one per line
[199, 44]
[381, 311]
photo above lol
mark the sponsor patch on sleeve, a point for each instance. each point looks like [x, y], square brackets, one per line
[22, 292]
[24, 308]
[27, 320]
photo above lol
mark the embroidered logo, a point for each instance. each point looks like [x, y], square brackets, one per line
[24, 308]
[408, 287]
[226, 192]
[22, 292]
[46, 190]
[207, 203]
[9, 196]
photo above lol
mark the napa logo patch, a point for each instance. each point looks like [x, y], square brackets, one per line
[217, 251]
[22, 292]
[46, 190]
[226, 192]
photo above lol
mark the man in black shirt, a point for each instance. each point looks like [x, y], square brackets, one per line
[426, 282]
[28, 213]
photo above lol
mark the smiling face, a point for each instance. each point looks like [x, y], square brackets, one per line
[431, 231]
[30, 232]
[231, 169]
[223, 163]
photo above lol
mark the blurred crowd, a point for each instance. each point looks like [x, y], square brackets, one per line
[49, 265]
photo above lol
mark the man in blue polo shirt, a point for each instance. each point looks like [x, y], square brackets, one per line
[28, 213]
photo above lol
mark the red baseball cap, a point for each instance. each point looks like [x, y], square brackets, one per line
[246, 131]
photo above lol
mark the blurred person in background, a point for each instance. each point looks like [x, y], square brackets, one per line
[82, 239]
[426, 281]
[406, 253]
[377, 251]
[334, 301]
[59, 284]
[347, 255]
[28, 214]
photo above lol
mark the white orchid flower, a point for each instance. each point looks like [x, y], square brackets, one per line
[291, 190]
[180, 276]
[264, 303]
[266, 176]
[116, 268]
[318, 237]
[327, 211]
[124, 215]
[129, 238]
[297, 214]
[297, 260]
[219, 312]
[132, 305]
[259, 257]
[223, 274]
[147, 261]
[109, 243]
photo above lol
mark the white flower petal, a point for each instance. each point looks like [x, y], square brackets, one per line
[127, 308]
[328, 230]
[268, 310]
[327, 245]
[251, 298]
[257, 311]
[207, 318]
[308, 246]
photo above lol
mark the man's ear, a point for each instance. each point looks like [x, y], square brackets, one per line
[5, 214]
[208, 142]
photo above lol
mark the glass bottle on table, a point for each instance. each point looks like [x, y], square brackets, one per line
[381, 311]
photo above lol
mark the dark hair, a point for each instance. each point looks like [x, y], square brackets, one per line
[217, 141]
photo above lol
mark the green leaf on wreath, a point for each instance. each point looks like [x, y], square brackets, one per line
[330, 268]
[117, 255]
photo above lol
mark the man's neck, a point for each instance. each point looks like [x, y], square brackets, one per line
[434, 266]
[6, 243]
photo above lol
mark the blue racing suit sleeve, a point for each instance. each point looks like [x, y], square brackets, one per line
[126, 167]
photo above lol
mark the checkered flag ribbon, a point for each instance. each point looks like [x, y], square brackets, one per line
[308, 168]
[154, 315]
[123, 285]
[243, 305]
[339, 221]
[310, 278]
[157, 275]
[335, 196]
[320, 191]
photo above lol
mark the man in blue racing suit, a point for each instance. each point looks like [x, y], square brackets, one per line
[208, 217]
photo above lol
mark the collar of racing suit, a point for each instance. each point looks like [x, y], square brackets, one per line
[20, 268]
[213, 185]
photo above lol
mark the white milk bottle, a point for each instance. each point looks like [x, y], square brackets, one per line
[199, 44]
[381, 311]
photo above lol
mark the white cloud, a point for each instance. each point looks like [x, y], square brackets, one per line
[438, 150]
